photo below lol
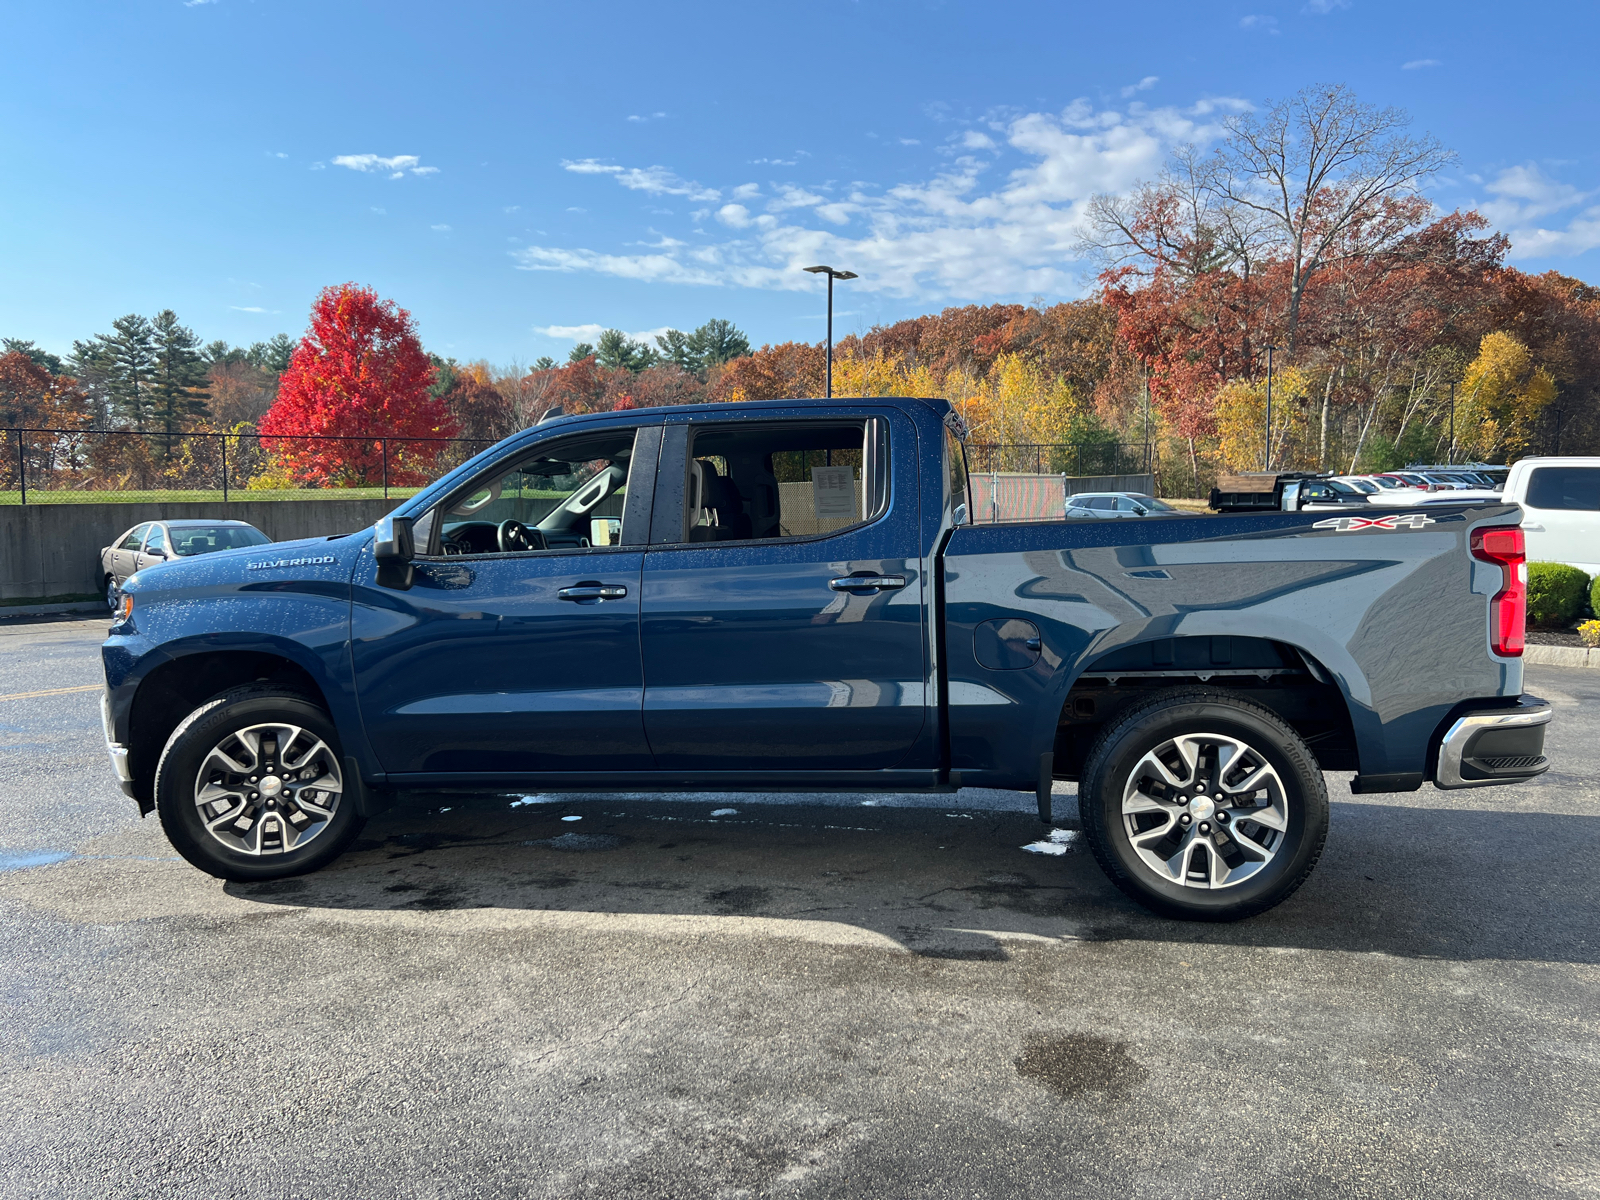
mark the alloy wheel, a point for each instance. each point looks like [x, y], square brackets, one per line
[1205, 810]
[268, 789]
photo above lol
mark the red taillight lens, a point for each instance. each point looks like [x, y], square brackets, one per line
[1508, 611]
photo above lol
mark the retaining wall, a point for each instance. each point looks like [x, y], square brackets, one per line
[54, 549]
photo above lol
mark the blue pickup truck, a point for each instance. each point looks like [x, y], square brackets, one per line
[790, 596]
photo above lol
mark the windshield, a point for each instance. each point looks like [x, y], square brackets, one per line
[197, 539]
[1343, 489]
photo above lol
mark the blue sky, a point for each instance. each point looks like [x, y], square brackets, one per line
[514, 172]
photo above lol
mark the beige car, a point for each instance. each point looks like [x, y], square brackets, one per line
[157, 541]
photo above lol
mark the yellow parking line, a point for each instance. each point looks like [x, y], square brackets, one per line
[88, 687]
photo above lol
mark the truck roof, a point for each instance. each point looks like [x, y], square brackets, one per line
[938, 404]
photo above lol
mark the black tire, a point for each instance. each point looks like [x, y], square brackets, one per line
[211, 726]
[1299, 790]
[113, 593]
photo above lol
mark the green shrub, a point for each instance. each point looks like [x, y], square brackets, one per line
[1594, 597]
[1555, 593]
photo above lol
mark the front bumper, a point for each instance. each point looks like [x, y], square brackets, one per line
[117, 751]
[1497, 745]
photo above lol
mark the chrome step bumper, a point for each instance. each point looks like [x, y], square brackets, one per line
[1495, 745]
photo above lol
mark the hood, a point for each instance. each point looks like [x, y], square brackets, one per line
[307, 560]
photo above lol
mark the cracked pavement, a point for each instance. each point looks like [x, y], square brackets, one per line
[810, 996]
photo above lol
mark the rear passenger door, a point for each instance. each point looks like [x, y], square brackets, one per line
[782, 611]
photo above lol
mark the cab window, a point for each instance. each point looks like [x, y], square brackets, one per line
[134, 539]
[156, 543]
[795, 480]
[564, 495]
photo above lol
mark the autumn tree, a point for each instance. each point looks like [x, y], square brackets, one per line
[358, 373]
[31, 397]
[1327, 176]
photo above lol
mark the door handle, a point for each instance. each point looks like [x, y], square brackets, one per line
[1532, 528]
[855, 583]
[593, 591]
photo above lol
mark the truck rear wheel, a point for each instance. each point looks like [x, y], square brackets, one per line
[251, 786]
[1202, 805]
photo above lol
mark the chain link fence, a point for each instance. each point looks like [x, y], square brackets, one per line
[1067, 458]
[61, 466]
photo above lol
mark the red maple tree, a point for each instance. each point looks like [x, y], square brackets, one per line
[358, 374]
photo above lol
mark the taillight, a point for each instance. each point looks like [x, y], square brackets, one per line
[1508, 611]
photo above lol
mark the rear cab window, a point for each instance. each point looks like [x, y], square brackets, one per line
[761, 481]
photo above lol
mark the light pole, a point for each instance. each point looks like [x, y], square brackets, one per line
[832, 275]
[1266, 449]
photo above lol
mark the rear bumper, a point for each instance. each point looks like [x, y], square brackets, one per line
[117, 751]
[1497, 745]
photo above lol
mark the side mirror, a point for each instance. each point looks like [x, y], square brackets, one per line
[394, 541]
[1291, 496]
[393, 549]
[959, 517]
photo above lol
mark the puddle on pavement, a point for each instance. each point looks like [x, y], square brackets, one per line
[1078, 1063]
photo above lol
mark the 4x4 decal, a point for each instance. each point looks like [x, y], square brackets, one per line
[1351, 524]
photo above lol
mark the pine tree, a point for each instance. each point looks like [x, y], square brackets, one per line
[117, 369]
[273, 355]
[178, 388]
[617, 349]
[717, 342]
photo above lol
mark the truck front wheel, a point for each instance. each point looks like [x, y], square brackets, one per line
[1202, 805]
[251, 786]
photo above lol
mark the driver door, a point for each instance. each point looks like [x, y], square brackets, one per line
[502, 661]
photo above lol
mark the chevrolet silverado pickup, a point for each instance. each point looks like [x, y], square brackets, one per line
[790, 595]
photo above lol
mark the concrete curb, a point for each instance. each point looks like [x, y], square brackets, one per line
[1560, 656]
[43, 610]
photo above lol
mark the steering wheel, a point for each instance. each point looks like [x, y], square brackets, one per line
[513, 536]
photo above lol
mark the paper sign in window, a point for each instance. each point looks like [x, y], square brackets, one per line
[833, 491]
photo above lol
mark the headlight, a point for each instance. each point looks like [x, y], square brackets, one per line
[124, 608]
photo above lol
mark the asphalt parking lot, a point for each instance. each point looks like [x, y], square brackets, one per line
[803, 996]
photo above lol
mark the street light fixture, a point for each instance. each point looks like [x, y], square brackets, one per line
[832, 275]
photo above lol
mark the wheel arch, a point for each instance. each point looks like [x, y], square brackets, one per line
[1308, 693]
[175, 687]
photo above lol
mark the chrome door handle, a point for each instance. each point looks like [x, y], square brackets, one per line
[854, 583]
[593, 591]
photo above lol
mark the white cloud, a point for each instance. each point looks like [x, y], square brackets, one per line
[590, 333]
[774, 162]
[747, 191]
[651, 117]
[1325, 6]
[197, 3]
[1144, 85]
[966, 232]
[251, 308]
[511, 208]
[280, 154]
[440, 228]
[656, 181]
[910, 142]
[396, 166]
[1523, 196]
[1418, 64]
[380, 211]
[1258, 22]
[973, 140]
